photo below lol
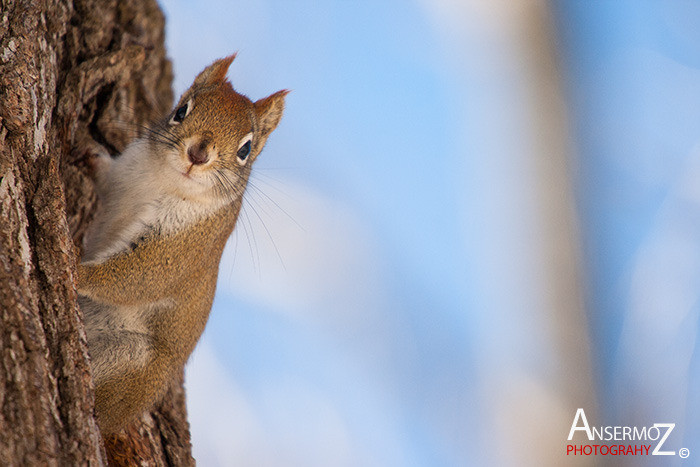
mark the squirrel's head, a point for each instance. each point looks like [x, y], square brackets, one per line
[214, 134]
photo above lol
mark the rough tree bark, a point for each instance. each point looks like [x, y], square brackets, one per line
[73, 74]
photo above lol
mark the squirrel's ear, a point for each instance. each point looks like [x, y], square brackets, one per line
[269, 111]
[214, 73]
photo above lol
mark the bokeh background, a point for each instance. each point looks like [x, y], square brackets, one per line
[475, 217]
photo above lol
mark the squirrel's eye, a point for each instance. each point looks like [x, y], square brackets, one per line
[181, 113]
[243, 152]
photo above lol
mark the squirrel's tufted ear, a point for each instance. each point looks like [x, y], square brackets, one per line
[269, 112]
[214, 73]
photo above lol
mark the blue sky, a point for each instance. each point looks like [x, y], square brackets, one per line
[421, 267]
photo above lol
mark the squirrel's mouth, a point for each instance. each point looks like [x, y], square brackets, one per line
[189, 172]
[189, 177]
[186, 172]
[193, 177]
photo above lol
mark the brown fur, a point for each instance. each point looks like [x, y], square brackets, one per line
[169, 276]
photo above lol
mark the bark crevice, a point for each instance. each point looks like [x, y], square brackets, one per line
[75, 76]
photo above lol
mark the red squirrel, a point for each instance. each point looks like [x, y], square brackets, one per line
[168, 205]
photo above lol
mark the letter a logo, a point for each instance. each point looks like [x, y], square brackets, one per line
[580, 414]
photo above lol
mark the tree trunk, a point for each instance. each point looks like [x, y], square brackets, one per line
[74, 76]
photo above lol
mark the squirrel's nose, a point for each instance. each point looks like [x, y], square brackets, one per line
[198, 153]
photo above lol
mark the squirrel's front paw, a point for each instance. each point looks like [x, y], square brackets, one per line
[98, 162]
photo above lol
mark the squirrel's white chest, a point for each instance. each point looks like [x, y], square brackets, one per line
[163, 216]
[137, 201]
[173, 214]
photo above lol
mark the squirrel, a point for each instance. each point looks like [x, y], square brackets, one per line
[151, 256]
